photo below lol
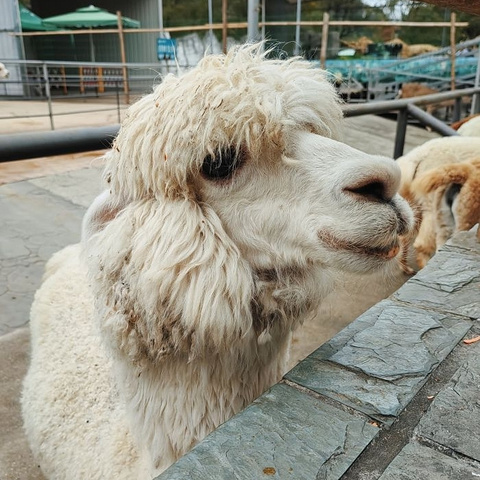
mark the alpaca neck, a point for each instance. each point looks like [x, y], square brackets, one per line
[173, 405]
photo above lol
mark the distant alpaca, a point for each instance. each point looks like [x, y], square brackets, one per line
[414, 89]
[230, 208]
[4, 73]
[435, 154]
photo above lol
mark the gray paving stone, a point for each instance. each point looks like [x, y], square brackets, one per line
[284, 434]
[78, 186]
[380, 361]
[35, 224]
[450, 282]
[417, 462]
[453, 416]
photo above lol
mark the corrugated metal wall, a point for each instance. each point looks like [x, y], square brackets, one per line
[10, 47]
[140, 48]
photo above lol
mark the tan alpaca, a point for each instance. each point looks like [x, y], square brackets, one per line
[427, 208]
[448, 216]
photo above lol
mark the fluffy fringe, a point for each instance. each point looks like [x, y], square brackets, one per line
[167, 134]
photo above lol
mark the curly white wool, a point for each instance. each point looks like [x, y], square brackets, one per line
[197, 281]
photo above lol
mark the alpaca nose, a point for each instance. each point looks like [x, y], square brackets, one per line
[374, 190]
[379, 182]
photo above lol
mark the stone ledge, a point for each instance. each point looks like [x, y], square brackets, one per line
[361, 389]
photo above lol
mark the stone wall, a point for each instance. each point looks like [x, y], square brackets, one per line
[395, 395]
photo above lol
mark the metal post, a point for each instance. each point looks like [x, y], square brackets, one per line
[457, 109]
[160, 17]
[252, 17]
[48, 95]
[210, 22]
[323, 47]
[263, 20]
[402, 121]
[118, 100]
[296, 50]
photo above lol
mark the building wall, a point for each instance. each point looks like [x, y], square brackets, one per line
[10, 47]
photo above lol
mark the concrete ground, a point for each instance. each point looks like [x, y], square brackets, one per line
[28, 116]
[42, 202]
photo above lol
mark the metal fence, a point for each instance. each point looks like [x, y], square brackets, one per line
[113, 85]
[43, 144]
[116, 85]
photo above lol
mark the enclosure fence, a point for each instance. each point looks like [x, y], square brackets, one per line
[44, 144]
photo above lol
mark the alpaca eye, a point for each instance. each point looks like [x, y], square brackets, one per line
[222, 165]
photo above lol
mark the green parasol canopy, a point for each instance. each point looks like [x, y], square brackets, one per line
[89, 17]
[33, 22]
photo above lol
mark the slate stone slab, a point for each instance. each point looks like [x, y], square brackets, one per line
[450, 282]
[417, 462]
[465, 242]
[285, 434]
[453, 417]
[380, 361]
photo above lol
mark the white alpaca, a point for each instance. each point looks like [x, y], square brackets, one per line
[229, 206]
[471, 128]
[435, 219]
[4, 73]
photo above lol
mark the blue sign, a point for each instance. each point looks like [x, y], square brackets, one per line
[166, 48]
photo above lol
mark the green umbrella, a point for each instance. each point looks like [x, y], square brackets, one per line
[33, 22]
[89, 17]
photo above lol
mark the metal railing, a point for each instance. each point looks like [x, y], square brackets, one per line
[106, 86]
[44, 144]
[409, 107]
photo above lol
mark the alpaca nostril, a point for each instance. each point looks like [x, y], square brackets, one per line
[375, 191]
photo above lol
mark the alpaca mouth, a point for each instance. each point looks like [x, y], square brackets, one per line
[336, 243]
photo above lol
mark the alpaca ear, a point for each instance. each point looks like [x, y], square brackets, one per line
[170, 281]
[103, 209]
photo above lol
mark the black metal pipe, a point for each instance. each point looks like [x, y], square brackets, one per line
[58, 142]
[430, 121]
[457, 110]
[402, 121]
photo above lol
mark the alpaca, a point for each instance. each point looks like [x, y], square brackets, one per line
[434, 154]
[470, 128]
[230, 207]
[457, 125]
[4, 73]
[454, 193]
[414, 89]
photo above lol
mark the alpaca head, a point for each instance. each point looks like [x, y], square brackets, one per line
[454, 189]
[228, 192]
